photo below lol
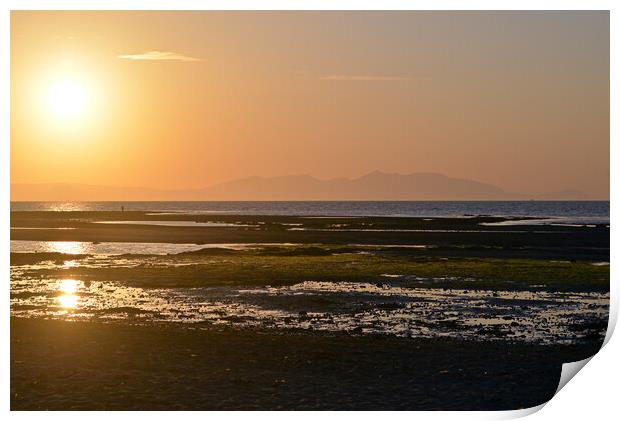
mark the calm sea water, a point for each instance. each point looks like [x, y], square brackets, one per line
[598, 210]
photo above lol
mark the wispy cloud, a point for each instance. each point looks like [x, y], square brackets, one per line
[363, 77]
[159, 55]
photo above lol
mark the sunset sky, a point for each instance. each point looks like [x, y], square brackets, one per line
[187, 99]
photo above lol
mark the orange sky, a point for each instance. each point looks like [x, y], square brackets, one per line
[519, 100]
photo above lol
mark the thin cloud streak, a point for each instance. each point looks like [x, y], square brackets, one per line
[362, 78]
[158, 55]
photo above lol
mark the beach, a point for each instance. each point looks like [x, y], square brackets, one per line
[159, 310]
[88, 366]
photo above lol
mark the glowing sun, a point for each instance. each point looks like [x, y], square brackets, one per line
[67, 98]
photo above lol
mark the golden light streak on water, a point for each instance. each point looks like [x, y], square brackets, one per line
[69, 289]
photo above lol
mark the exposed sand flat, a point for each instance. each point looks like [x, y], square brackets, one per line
[91, 366]
[214, 224]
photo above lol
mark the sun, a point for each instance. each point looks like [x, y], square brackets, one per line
[67, 98]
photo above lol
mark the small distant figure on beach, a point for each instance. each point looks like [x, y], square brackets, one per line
[122, 208]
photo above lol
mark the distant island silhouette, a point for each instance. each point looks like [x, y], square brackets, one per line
[373, 186]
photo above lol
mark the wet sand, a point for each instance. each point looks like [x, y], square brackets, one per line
[92, 366]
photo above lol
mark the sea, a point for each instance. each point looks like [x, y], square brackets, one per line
[579, 210]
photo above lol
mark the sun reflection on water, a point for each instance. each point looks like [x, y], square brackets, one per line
[65, 206]
[67, 247]
[69, 288]
[68, 301]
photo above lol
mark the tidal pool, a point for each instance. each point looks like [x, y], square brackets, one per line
[359, 308]
[111, 248]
